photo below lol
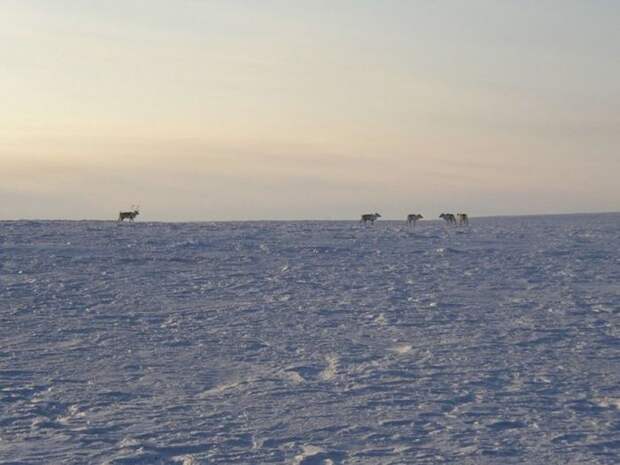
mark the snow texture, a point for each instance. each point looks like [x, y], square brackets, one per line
[311, 342]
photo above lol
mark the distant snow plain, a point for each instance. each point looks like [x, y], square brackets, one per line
[311, 342]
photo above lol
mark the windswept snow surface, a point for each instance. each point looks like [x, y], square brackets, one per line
[311, 343]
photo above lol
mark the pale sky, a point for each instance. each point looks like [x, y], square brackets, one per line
[232, 110]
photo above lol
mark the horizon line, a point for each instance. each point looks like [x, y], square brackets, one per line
[298, 220]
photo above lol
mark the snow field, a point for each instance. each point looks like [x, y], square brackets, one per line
[311, 342]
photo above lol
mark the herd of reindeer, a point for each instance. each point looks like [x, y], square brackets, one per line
[460, 219]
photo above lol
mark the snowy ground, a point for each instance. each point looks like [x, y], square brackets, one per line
[311, 343]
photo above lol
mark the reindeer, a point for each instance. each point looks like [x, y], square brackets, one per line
[369, 218]
[130, 215]
[462, 219]
[413, 218]
[449, 218]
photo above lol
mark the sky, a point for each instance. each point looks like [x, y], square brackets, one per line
[239, 109]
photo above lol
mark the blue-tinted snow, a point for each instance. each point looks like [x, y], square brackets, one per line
[311, 343]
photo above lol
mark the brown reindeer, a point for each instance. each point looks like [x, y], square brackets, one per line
[413, 218]
[369, 218]
[462, 219]
[130, 215]
[449, 218]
